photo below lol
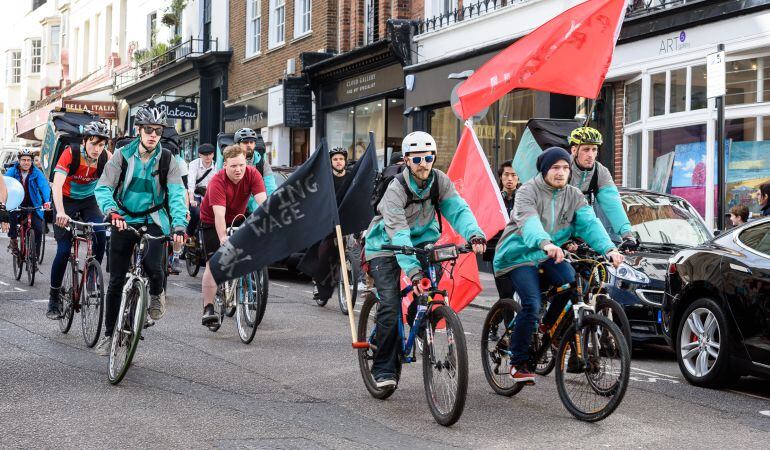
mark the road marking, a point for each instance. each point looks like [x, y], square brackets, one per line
[4, 283]
[307, 292]
[652, 373]
[40, 300]
[765, 413]
[652, 379]
[19, 289]
[749, 395]
[279, 284]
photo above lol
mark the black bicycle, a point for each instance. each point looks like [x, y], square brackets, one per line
[588, 350]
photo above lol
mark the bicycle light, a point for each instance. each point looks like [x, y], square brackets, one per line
[628, 273]
[444, 253]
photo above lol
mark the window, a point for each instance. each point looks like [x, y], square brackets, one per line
[516, 108]
[15, 114]
[53, 44]
[370, 21]
[765, 91]
[207, 25]
[301, 17]
[748, 164]
[152, 31]
[35, 55]
[277, 23]
[13, 67]
[658, 94]
[634, 101]
[678, 95]
[254, 33]
[369, 117]
[634, 161]
[741, 81]
[757, 238]
[339, 128]
[440, 7]
[445, 129]
[698, 88]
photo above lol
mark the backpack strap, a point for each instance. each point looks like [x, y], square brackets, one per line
[203, 177]
[261, 164]
[162, 173]
[75, 163]
[593, 187]
[103, 159]
[433, 197]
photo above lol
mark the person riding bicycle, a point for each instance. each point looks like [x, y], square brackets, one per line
[408, 218]
[596, 183]
[75, 177]
[252, 143]
[37, 193]
[227, 195]
[546, 213]
[201, 171]
[141, 186]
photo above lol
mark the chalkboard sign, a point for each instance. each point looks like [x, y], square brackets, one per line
[179, 110]
[297, 103]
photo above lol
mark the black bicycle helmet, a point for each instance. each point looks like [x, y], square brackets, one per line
[338, 151]
[150, 115]
[96, 128]
[245, 134]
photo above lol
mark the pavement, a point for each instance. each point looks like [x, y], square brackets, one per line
[298, 385]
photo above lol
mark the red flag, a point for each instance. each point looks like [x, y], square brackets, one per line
[475, 183]
[570, 54]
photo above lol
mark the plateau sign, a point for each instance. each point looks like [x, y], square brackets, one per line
[179, 110]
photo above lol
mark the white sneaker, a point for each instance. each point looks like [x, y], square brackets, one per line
[157, 306]
[104, 346]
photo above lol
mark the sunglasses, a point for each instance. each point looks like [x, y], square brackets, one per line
[152, 130]
[418, 159]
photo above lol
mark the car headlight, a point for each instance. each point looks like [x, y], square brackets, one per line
[628, 273]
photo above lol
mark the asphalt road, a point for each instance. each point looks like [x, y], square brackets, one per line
[298, 386]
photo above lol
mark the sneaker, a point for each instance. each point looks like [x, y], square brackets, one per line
[209, 316]
[157, 306]
[104, 346]
[174, 266]
[54, 305]
[386, 383]
[522, 375]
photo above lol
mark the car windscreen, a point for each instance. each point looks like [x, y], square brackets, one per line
[660, 220]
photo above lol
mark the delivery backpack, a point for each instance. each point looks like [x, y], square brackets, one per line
[162, 173]
[387, 175]
[75, 164]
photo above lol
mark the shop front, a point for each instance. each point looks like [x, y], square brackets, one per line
[358, 92]
[669, 125]
[248, 112]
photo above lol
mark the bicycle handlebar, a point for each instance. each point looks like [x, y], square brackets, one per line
[406, 250]
[89, 224]
[142, 232]
[27, 209]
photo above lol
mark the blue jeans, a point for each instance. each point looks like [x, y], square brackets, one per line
[526, 282]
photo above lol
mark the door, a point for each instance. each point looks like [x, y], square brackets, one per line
[747, 284]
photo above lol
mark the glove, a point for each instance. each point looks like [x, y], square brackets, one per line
[628, 243]
[416, 278]
[478, 240]
[112, 215]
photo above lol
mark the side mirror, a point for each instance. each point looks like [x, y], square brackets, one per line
[718, 232]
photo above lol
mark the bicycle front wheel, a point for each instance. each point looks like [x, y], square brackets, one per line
[248, 300]
[31, 261]
[264, 289]
[92, 302]
[592, 386]
[65, 300]
[445, 365]
[128, 329]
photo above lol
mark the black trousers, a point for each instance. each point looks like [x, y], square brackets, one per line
[121, 248]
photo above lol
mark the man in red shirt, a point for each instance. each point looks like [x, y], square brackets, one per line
[226, 198]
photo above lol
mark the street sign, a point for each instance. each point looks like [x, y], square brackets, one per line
[715, 75]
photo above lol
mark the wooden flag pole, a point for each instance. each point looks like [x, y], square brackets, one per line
[346, 285]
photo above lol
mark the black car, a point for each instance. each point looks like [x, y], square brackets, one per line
[663, 224]
[717, 306]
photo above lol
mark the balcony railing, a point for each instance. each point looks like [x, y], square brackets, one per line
[467, 12]
[643, 7]
[189, 48]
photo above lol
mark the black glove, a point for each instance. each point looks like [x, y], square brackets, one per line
[628, 244]
[416, 278]
[3, 213]
[478, 240]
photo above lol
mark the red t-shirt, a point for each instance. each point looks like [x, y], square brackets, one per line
[83, 182]
[235, 197]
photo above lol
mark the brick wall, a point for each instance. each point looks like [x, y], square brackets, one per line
[618, 118]
[262, 72]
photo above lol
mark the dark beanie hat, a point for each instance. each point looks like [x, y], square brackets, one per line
[395, 158]
[550, 157]
[205, 149]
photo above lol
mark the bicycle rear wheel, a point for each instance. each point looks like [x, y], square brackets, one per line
[445, 365]
[592, 387]
[65, 299]
[495, 343]
[248, 304]
[353, 279]
[31, 261]
[18, 263]
[192, 261]
[92, 302]
[366, 333]
[128, 329]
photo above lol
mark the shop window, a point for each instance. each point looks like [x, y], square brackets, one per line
[633, 101]
[445, 129]
[658, 94]
[698, 88]
[741, 80]
[678, 96]
[339, 128]
[254, 34]
[395, 126]
[677, 163]
[369, 117]
[633, 161]
[516, 108]
[486, 131]
[748, 165]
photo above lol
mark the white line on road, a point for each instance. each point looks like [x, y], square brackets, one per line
[4, 283]
[765, 413]
[19, 289]
[749, 395]
[653, 373]
[279, 284]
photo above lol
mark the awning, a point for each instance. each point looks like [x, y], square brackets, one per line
[28, 123]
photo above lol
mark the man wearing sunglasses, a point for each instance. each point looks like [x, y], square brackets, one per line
[141, 186]
[407, 215]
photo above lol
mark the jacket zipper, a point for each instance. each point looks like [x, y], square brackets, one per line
[553, 211]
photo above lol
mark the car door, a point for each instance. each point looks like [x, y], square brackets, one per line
[747, 288]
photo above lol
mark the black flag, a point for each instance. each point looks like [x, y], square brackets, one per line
[299, 213]
[355, 210]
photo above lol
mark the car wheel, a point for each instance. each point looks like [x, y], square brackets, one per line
[703, 345]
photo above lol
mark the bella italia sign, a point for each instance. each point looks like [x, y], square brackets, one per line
[179, 110]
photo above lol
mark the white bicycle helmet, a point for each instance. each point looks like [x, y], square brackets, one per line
[418, 141]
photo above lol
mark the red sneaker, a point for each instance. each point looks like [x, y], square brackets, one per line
[522, 375]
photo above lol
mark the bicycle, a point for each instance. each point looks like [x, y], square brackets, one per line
[42, 244]
[87, 295]
[585, 344]
[25, 253]
[133, 309]
[434, 323]
[352, 269]
[241, 297]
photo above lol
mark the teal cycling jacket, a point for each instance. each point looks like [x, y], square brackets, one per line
[141, 188]
[416, 224]
[543, 215]
[607, 195]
